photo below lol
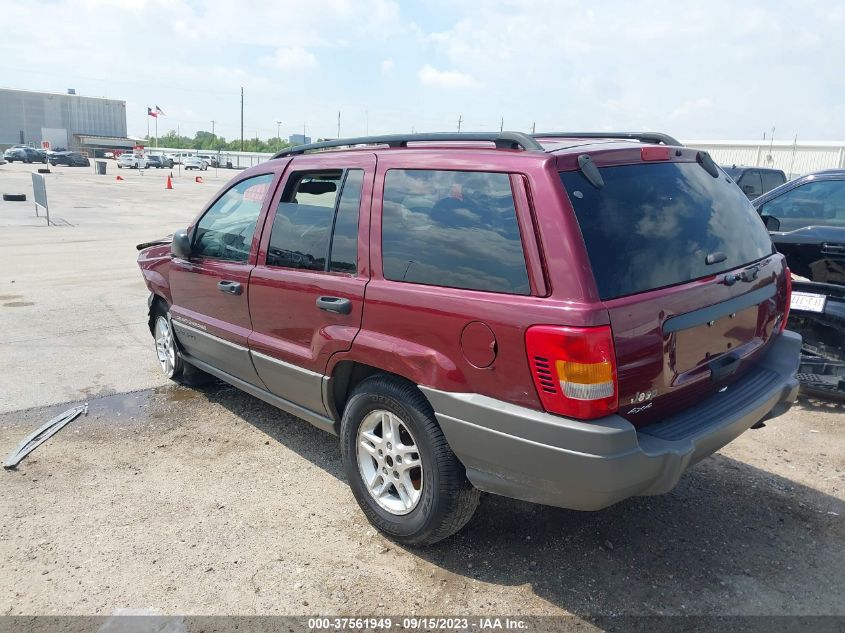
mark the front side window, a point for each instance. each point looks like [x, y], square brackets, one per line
[225, 231]
[814, 203]
[315, 204]
[452, 228]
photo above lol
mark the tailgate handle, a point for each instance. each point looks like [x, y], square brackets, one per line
[723, 367]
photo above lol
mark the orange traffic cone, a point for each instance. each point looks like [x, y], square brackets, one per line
[119, 178]
[198, 179]
[169, 184]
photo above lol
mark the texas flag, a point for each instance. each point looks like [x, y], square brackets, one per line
[160, 111]
[152, 113]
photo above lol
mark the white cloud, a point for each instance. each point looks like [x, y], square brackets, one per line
[290, 58]
[387, 67]
[430, 76]
[695, 107]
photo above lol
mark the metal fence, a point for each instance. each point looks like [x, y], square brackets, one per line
[793, 158]
[235, 160]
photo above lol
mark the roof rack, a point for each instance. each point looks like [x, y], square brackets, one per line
[643, 137]
[502, 140]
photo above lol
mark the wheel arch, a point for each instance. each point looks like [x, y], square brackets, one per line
[345, 376]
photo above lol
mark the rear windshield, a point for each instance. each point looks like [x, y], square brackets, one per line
[653, 225]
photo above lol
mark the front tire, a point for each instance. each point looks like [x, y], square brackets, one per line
[402, 472]
[169, 357]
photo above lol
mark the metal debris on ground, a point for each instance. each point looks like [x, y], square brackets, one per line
[43, 434]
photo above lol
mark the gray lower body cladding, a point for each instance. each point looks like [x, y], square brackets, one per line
[531, 455]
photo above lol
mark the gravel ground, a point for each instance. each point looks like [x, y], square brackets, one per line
[211, 502]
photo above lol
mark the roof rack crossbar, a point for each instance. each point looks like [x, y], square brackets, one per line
[643, 137]
[502, 140]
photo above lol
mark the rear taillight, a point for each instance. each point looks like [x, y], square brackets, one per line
[574, 369]
[788, 283]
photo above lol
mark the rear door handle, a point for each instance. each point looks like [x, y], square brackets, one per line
[833, 249]
[338, 305]
[230, 287]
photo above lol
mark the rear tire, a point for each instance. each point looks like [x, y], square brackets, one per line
[402, 472]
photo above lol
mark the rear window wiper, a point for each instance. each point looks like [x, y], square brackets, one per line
[715, 258]
[590, 171]
[704, 159]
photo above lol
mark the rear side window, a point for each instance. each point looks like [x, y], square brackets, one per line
[452, 228]
[772, 179]
[653, 225]
[318, 212]
[751, 184]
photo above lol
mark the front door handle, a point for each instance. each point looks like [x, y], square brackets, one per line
[338, 305]
[230, 287]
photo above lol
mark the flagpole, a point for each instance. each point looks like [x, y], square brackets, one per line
[156, 140]
[148, 122]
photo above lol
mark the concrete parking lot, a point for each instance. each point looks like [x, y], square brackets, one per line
[212, 502]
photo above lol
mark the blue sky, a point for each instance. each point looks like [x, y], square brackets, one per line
[709, 70]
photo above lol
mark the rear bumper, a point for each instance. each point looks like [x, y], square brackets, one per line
[531, 455]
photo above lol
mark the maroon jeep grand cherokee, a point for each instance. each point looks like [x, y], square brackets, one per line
[569, 319]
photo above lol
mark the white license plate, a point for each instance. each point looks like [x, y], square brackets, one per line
[807, 301]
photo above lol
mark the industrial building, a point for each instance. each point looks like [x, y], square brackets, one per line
[62, 120]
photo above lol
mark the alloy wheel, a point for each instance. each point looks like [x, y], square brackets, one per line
[389, 462]
[165, 346]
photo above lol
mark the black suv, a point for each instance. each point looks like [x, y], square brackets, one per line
[755, 181]
[25, 155]
[159, 162]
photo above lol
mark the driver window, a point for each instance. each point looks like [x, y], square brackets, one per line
[225, 231]
[820, 202]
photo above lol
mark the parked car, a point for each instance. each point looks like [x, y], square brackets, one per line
[194, 162]
[71, 159]
[25, 155]
[108, 154]
[554, 318]
[210, 161]
[806, 218]
[131, 161]
[755, 181]
[159, 162]
[176, 159]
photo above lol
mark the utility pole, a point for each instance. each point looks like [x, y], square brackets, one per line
[242, 118]
[460, 120]
[338, 123]
[213, 135]
[502, 125]
[771, 143]
[534, 127]
[279, 134]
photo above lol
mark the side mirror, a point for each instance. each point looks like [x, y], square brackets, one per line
[181, 245]
[771, 222]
